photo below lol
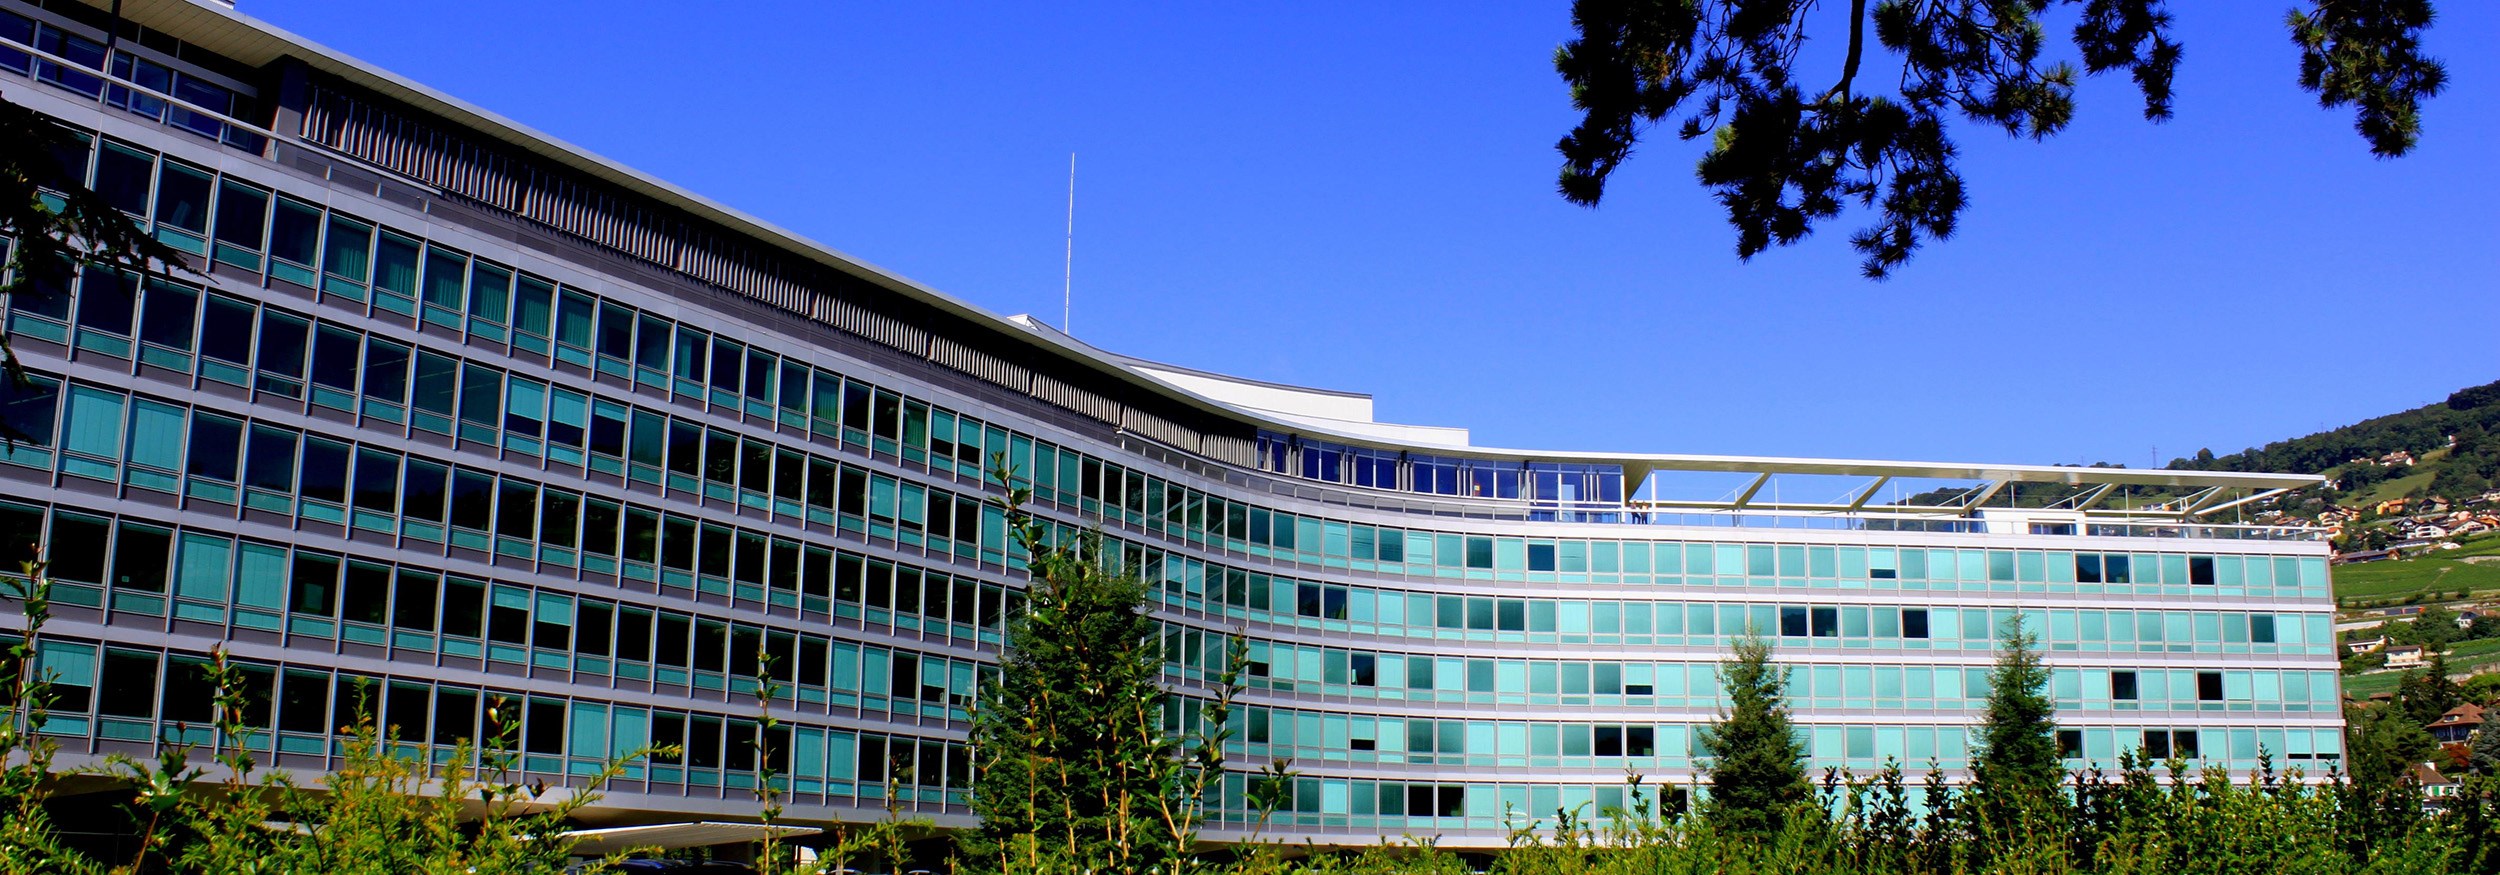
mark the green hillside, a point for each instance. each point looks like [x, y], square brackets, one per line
[2468, 468]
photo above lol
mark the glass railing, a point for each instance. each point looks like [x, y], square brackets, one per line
[86, 78]
[1527, 510]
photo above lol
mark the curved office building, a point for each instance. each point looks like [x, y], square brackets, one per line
[453, 412]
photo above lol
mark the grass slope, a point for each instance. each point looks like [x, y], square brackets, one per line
[2437, 573]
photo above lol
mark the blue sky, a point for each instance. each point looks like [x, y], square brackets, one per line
[1360, 196]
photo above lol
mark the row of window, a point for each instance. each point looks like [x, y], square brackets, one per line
[1667, 622]
[315, 594]
[1547, 483]
[151, 444]
[1310, 736]
[131, 695]
[1687, 684]
[320, 479]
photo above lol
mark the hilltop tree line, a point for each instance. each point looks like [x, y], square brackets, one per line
[2471, 416]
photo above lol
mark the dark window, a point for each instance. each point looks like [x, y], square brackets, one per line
[304, 703]
[2157, 744]
[2201, 570]
[703, 744]
[295, 233]
[167, 315]
[182, 198]
[1640, 741]
[1609, 741]
[1913, 622]
[2070, 743]
[437, 383]
[1826, 622]
[128, 685]
[271, 463]
[188, 695]
[668, 731]
[1793, 622]
[455, 716]
[281, 346]
[674, 632]
[139, 556]
[472, 499]
[77, 548]
[27, 412]
[122, 175]
[325, 471]
[2183, 743]
[2261, 628]
[516, 513]
[412, 603]
[2087, 568]
[226, 330]
[2122, 686]
[2209, 686]
[377, 481]
[386, 371]
[313, 585]
[711, 645]
[107, 300]
[2115, 568]
[215, 444]
[545, 727]
[421, 494]
[242, 214]
[367, 597]
[633, 635]
[591, 625]
[464, 602]
[405, 710]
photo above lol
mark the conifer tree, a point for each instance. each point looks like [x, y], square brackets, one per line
[1071, 757]
[2016, 763]
[1755, 762]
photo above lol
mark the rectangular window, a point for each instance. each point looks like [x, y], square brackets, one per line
[242, 216]
[490, 293]
[2209, 686]
[140, 557]
[182, 197]
[295, 235]
[169, 315]
[28, 411]
[122, 175]
[348, 250]
[386, 371]
[446, 277]
[270, 462]
[2122, 686]
[335, 353]
[226, 333]
[107, 300]
[395, 265]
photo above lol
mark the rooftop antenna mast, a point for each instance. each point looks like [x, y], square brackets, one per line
[1067, 275]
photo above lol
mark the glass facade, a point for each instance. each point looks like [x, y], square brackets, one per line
[403, 448]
